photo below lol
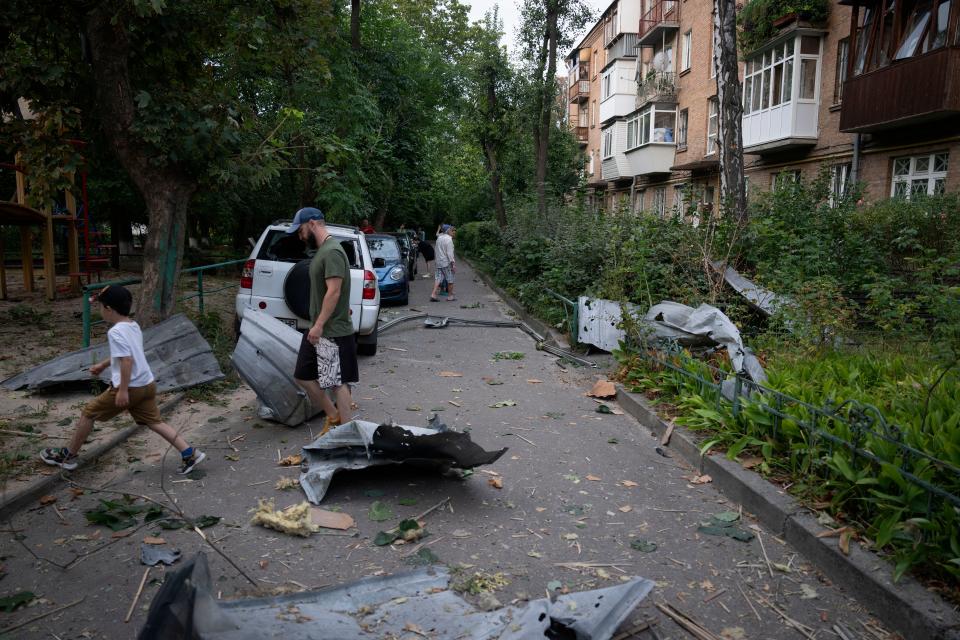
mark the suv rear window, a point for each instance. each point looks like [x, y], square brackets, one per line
[282, 247]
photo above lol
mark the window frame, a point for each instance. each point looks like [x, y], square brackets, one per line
[606, 143]
[683, 123]
[713, 115]
[909, 179]
[686, 51]
[840, 74]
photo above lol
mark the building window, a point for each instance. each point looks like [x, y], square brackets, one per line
[686, 50]
[682, 129]
[839, 182]
[594, 112]
[651, 125]
[681, 197]
[919, 175]
[768, 78]
[843, 57]
[713, 124]
[605, 84]
[713, 45]
[658, 207]
[583, 117]
[638, 201]
[607, 150]
[591, 163]
[784, 178]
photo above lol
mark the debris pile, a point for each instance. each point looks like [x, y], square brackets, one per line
[359, 444]
[419, 602]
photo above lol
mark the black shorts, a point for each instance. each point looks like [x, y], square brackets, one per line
[306, 368]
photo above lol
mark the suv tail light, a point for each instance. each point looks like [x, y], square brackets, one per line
[369, 285]
[246, 276]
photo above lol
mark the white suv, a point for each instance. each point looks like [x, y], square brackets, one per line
[276, 281]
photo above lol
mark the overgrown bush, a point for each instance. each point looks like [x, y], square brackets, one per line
[755, 20]
[921, 406]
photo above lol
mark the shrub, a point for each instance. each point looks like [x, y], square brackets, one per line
[755, 20]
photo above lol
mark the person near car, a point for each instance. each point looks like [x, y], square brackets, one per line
[366, 227]
[327, 360]
[446, 263]
[132, 387]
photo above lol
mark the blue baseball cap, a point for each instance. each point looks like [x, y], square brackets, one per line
[446, 228]
[304, 215]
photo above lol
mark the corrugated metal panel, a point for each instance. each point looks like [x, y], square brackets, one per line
[176, 352]
[265, 357]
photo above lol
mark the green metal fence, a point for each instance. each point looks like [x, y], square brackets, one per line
[199, 293]
[819, 423]
[570, 311]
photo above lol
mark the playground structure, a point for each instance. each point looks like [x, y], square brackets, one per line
[19, 213]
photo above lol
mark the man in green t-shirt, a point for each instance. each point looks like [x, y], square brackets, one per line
[327, 360]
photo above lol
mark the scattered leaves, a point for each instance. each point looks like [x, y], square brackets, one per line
[18, 599]
[379, 511]
[603, 389]
[450, 374]
[593, 478]
[625, 509]
[286, 483]
[48, 499]
[704, 479]
[153, 540]
[645, 546]
[496, 483]
[629, 483]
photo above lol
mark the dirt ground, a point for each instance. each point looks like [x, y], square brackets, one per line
[34, 330]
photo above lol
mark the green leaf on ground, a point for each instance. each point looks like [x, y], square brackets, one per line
[18, 599]
[374, 493]
[613, 441]
[726, 516]
[379, 511]
[385, 537]
[604, 409]
[206, 521]
[509, 355]
[554, 585]
[729, 531]
[575, 479]
[643, 545]
[407, 502]
[422, 557]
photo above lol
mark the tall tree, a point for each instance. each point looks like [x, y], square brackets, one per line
[547, 25]
[489, 72]
[729, 92]
[355, 24]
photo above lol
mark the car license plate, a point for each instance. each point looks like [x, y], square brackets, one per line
[288, 322]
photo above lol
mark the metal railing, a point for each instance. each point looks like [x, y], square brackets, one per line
[580, 89]
[864, 422]
[656, 86]
[661, 11]
[199, 293]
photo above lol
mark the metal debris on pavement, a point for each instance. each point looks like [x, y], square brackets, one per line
[360, 444]
[151, 555]
[379, 607]
[176, 352]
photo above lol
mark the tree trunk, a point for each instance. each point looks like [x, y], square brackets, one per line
[493, 169]
[166, 190]
[546, 104]
[730, 116]
[355, 25]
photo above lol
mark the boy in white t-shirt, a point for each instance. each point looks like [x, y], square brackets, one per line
[132, 387]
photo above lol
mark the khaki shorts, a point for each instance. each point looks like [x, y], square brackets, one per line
[143, 405]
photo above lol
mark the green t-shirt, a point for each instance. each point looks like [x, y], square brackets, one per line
[330, 261]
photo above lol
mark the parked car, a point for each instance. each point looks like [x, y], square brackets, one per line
[409, 252]
[388, 264]
[276, 280]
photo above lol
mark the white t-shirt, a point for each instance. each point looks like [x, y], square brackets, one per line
[126, 339]
[444, 255]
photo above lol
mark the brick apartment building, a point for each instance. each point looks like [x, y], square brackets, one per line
[879, 103]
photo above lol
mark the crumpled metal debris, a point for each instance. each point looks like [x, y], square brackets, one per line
[360, 444]
[381, 607]
[762, 299]
[151, 555]
[265, 357]
[176, 352]
[671, 322]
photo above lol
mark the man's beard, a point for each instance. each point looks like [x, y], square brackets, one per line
[312, 242]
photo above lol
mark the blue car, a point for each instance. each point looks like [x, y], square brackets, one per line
[389, 266]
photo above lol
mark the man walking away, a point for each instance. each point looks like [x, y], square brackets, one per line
[327, 360]
[446, 263]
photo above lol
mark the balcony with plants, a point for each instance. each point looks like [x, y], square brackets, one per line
[656, 86]
[760, 21]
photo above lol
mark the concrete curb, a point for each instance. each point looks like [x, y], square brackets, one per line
[45, 484]
[906, 607]
[551, 335]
